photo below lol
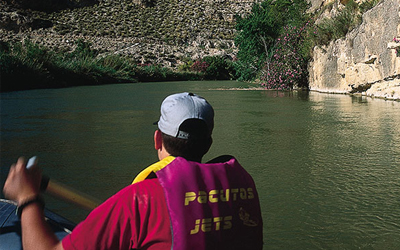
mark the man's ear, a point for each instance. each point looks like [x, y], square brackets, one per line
[157, 139]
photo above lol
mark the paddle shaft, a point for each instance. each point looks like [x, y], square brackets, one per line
[62, 191]
[70, 195]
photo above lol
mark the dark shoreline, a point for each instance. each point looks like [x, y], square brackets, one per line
[26, 65]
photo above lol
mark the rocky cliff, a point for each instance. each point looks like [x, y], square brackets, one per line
[166, 32]
[365, 61]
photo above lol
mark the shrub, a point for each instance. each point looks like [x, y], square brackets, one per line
[367, 5]
[214, 68]
[258, 31]
[22, 65]
[186, 66]
[219, 68]
[334, 28]
[199, 66]
[83, 50]
[287, 66]
[28, 65]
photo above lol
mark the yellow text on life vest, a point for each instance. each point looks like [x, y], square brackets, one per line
[214, 196]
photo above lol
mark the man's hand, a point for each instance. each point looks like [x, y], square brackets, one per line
[22, 184]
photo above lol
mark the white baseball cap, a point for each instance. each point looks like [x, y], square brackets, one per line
[178, 108]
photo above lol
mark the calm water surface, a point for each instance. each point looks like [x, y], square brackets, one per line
[327, 167]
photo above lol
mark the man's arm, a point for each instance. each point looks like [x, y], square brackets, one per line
[36, 233]
[22, 185]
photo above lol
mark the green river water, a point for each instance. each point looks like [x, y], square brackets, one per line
[327, 167]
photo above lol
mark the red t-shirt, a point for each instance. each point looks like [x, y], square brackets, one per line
[134, 218]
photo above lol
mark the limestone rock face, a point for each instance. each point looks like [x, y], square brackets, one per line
[365, 57]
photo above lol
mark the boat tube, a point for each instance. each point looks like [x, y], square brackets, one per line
[10, 225]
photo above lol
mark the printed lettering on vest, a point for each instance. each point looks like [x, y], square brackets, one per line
[212, 196]
[206, 225]
[210, 224]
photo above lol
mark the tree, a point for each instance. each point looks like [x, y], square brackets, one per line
[286, 67]
[257, 32]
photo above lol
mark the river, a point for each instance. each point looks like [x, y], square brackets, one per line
[327, 167]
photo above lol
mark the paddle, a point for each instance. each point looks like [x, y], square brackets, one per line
[62, 191]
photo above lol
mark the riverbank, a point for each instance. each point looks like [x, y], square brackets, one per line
[388, 90]
[28, 65]
[139, 49]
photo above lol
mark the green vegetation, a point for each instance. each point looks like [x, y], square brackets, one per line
[214, 68]
[330, 29]
[287, 65]
[275, 41]
[334, 28]
[27, 65]
[258, 33]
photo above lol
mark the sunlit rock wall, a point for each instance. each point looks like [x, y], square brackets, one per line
[365, 61]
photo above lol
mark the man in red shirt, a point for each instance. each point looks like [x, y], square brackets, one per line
[177, 203]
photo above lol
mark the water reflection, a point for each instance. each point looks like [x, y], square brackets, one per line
[354, 189]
